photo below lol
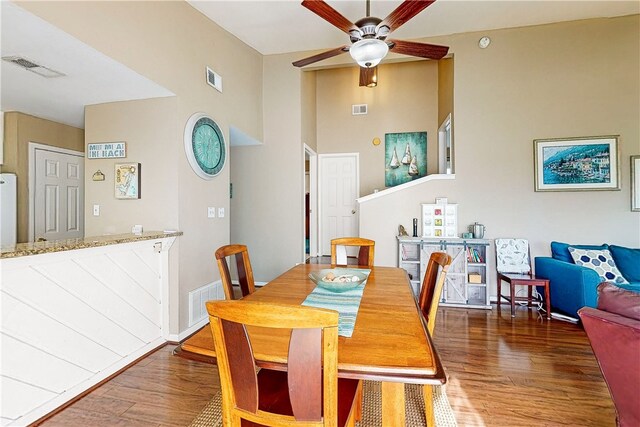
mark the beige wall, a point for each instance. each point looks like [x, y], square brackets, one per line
[20, 130]
[562, 80]
[445, 89]
[309, 110]
[149, 129]
[405, 100]
[268, 179]
[171, 43]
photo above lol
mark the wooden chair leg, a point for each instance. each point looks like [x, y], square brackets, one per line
[427, 393]
[512, 289]
[358, 402]
[499, 285]
[529, 295]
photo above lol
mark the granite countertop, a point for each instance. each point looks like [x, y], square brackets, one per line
[25, 249]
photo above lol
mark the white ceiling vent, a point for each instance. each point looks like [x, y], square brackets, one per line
[214, 79]
[29, 65]
[358, 109]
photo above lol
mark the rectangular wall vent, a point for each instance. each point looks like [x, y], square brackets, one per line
[29, 65]
[214, 80]
[358, 109]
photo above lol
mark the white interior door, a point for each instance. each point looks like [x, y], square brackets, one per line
[59, 195]
[339, 189]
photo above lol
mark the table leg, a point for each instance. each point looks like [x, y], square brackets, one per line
[427, 392]
[547, 299]
[512, 289]
[393, 404]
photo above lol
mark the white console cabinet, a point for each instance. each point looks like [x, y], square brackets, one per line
[467, 278]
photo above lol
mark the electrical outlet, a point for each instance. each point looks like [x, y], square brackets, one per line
[96, 210]
[220, 212]
[211, 212]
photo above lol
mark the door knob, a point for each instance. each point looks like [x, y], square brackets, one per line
[353, 211]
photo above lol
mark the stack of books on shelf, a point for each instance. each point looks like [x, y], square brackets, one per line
[474, 256]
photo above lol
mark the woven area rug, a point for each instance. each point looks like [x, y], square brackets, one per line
[372, 407]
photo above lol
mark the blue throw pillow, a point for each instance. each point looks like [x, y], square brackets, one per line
[601, 262]
[560, 251]
[628, 261]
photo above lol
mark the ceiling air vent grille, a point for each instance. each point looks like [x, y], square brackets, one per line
[29, 65]
[359, 109]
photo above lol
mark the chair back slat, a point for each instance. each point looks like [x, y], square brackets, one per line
[304, 370]
[432, 285]
[242, 367]
[242, 259]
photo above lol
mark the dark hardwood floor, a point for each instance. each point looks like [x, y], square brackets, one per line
[501, 371]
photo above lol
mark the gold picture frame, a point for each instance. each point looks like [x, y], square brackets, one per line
[577, 164]
[635, 183]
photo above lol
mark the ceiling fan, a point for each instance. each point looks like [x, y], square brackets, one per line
[369, 43]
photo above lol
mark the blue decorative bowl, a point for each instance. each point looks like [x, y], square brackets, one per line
[357, 277]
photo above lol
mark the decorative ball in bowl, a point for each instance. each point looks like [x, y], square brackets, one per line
[338, 279]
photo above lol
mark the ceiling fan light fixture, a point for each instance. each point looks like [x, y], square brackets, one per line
[368, 52]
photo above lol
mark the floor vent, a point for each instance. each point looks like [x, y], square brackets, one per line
[358, 109]
[198, 298]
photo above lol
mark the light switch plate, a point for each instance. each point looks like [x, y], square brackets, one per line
[96, 210]
[220, 212]
[211, 212]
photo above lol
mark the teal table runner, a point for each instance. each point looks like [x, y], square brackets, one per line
[345, 303]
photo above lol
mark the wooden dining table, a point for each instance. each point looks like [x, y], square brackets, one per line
[390, 343]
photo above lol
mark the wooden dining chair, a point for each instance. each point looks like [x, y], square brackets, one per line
[243, 265]
[428, 302]
[309, 392]
[513, 266]
[432, 285]
[365, 253]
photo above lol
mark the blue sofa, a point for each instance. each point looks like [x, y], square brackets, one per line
[573, 286]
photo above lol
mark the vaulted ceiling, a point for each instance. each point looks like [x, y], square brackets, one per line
[273, 27]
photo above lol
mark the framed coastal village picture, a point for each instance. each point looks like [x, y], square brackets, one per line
[635, 183]
[577, 164]
[405, 157]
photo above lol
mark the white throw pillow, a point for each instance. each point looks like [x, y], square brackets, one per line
[600, 261]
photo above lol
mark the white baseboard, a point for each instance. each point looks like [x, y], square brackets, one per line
[190, 330]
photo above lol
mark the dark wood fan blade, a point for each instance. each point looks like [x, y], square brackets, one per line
[407, 10]
[329, 14]
[423, 50]
[319, 57]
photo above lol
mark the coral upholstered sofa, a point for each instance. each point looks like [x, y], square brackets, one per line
[614, 332]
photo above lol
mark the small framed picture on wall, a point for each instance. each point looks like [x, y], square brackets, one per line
[127, 181]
